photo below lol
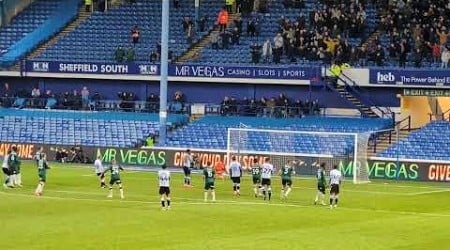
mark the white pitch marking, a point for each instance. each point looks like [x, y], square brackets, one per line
[431, 192]
[234, 203]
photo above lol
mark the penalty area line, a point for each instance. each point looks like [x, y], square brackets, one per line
[196, 202]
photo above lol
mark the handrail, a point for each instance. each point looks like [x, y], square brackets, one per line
[442, 115]
[371, 103]
[391, 131]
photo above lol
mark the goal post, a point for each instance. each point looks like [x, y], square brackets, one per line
[309, 147]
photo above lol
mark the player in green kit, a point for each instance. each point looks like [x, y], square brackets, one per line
[209, 175]
[286, 173]
[256, 176]
[14, 167]
[115, 169]
[321, 184]
[42, 173]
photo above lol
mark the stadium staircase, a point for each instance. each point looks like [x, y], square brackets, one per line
[386, 139]
[347, 89]
[202, 43]
[82, 16]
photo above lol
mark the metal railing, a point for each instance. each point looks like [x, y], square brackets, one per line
[402, 125]
[444, 116]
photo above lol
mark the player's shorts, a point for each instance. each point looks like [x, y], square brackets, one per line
[42, 175]
[334, 189]
[164, 190]
[321, 188]
[209, 185]
[12, 170]
[115, 181]
[285, 182]
[236, 180]
[101, 175]
[256, 180]
[6, 171]
[186, 170]
[265, 182]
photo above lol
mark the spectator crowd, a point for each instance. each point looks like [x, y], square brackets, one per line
[279, 107]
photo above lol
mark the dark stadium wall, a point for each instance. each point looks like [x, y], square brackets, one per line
[203, 92]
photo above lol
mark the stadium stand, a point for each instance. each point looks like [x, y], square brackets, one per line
[97, 39]
[65, 11]
[210, 132]
[429, 143]
[110, 129]
[26, 21]
[269, 24]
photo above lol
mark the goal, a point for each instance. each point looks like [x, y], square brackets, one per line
[306, 148]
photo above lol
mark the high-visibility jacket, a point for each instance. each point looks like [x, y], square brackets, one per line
[229, 2]
[335, 70]
[88, 2]
[223, 17]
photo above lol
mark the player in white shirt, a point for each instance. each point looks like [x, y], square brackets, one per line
[267, 170]
[235, 175]
[100, 171]
[164, 186]
[188, 162]
[5, 169]
[335, 181]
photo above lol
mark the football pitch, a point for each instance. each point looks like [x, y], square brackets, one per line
[74, 213]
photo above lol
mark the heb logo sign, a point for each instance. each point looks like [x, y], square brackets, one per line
[385, 78]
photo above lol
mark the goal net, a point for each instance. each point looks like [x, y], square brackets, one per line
[306, 148]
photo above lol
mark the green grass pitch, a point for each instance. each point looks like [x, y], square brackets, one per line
[74, 213]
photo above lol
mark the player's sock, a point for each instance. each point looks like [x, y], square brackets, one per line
[336, 201]
[269, 191]
[110, 192]
[19, 179]
[205, 196]
[121, 192]
[331, 201]
[282, 193]
[288, 191]
[13, 180]
[168, 202]
[163, 203]
[189, 180]
[255, 191]
[213, 194]
[317, 197]
[238, 189]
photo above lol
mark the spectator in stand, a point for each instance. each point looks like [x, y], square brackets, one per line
[402, 54]
[225, 37]
[88, 5]
[186, 23]
[203, 23]
[85, 98]
[238, 24]
[235, 36]
[119, 54]
[130, 55]
[154, 57]
[435, 51]
[215, 40]
[379, 56]
[229, 5]
[222, 19]
[35, 95]
[190, 34]
[443, 37]
[253, 25]
[176, 4]
[256, 53]
[135, 35]
[445, 58]
[418, 57]
[153, 103]
[225, 106]
[267, 51]
[278, 42]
